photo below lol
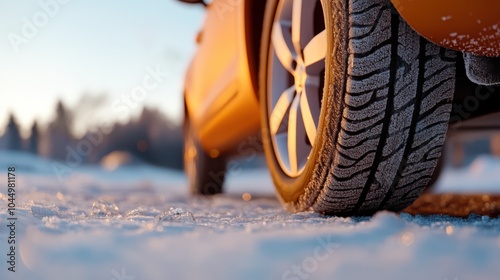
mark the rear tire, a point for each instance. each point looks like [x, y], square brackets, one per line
[205, 174]
[384, 105]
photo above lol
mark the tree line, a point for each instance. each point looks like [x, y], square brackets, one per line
[151, 137]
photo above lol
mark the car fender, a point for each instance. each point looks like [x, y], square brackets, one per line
[461, 25]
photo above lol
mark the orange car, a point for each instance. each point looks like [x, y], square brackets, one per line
[352, 98]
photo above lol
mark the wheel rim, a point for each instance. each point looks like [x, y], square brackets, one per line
[295, 87]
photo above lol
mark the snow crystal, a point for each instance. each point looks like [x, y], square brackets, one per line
[445, 18]
[41, 211]
[176, 215]
[142, 214]
[102, 209]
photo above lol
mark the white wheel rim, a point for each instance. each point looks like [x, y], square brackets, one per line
[295, 87]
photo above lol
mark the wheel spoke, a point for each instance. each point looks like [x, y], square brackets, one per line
[293, 134]
[310, 109]
[278, 113]
[283, 46]
[315, 53]
[302, 23]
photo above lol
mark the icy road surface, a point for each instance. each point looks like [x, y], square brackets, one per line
[137, 223]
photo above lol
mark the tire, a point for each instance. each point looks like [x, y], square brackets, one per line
[365, 127]
[205, 174]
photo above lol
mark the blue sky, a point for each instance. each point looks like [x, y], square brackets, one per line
[93, 47]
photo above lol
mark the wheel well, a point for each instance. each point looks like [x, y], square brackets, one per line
[472, 100]
[253, 26]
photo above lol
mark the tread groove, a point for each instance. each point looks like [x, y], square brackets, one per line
[389, 109]
[414, 121]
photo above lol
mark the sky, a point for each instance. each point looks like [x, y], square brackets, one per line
[64, 49]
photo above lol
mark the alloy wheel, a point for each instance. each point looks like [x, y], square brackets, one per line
[296, 82]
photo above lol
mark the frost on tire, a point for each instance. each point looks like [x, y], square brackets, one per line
[385, 112]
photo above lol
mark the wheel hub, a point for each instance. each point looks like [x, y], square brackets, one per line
[300, 76]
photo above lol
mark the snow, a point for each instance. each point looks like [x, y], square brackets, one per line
[481, 176]
[137, 222]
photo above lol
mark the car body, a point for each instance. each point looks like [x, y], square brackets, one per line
[225, 94]
[461, 25]
[221, 91]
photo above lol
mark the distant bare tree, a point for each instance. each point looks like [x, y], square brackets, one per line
[14, 141]
[33, 140]
[58, 135]
[152, 137]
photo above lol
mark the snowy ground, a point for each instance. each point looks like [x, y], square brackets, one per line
[138, 223]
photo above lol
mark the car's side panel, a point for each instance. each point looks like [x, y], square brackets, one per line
[216, 51]
[220, 97]
[462, 25]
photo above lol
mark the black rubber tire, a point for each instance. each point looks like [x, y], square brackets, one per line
[205, 174]
[384, 114]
